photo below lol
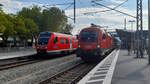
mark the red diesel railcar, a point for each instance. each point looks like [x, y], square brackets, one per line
[51, 42]
[93, 42]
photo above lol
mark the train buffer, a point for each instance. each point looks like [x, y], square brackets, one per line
[119, 68]
[15, 53]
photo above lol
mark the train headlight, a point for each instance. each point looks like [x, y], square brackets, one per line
[78, 46]
[98, 46]
[46, 47]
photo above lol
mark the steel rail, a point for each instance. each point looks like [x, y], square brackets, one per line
[18, 63]
[69, 76]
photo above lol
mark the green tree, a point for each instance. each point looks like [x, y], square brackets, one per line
[67, 29]
[34, 13]
[32, 28]
[6, 27]
[53, 19]
[20, 28]
[2, 28]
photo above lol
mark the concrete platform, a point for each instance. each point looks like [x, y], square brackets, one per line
[131, 70]
[119, 68]
[103, 72]
[16, 53]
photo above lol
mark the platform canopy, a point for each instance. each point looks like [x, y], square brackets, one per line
[128, 37]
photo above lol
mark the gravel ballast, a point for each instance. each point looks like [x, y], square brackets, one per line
[34, 73]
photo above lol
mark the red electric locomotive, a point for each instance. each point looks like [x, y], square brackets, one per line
[51, 42]
[93, 42]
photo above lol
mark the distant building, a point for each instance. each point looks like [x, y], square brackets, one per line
[129, 37]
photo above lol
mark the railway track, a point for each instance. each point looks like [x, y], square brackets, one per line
[70, 76]
[15, 62]
[18, 63]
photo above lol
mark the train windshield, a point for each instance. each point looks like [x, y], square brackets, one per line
[90, 36]
[44, 38]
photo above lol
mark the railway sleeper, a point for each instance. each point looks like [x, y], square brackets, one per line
[73, 73]
[59, 82]
[69, 77]
[65, 78]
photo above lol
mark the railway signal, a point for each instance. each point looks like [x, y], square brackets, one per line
[74, 11]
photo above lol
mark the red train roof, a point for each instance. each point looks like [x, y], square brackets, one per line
[60, 34]
[95, 28]
[63, 35]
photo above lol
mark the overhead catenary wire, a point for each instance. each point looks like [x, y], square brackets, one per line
[114, 9]
[68, 6]
[109, 9]
[60, 4]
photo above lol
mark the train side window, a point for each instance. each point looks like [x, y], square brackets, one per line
[55, 40]
[71, 40]
[62, 41]
[104, 36]
[67, 41]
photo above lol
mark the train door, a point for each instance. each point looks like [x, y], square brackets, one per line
[104, 42]
[56, 46]
[71, 43]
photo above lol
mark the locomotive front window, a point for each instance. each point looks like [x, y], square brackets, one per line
[56, 40]
[44, 38]
[45, 34]
[43, 41]
[89, 36]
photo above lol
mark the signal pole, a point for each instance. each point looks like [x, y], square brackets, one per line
[139, 32]
[149, 31]
[125, 23]
[74, 11]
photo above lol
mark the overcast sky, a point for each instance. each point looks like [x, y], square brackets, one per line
[111, 19]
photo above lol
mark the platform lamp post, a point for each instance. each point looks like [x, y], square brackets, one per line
[149, 31]
[132, 39]
[1, 32]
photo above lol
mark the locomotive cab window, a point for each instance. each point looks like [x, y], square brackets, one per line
[55, 40]
[43, 41]
[104, 36]
[44, 38]
[90, 36]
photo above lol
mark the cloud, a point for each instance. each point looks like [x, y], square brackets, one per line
[117, 1]
[13, 6]
[112, 19]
